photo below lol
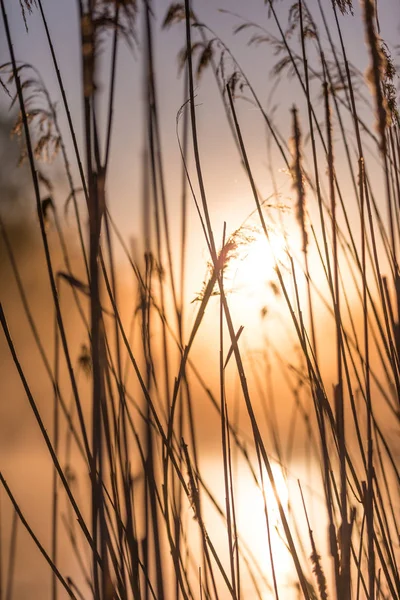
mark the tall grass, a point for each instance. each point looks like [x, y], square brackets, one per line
[146, 530]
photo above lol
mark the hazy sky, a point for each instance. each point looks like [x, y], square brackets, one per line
[225, 184]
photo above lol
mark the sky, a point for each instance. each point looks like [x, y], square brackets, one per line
[218, 152]
[227, 189]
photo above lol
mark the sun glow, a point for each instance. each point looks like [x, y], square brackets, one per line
[252, 266]
[253, 524]
[252, 528]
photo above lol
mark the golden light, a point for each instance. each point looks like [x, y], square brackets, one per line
[252, 527]
[253, 524]
[252, 266]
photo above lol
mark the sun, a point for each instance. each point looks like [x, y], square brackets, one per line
[252, 265]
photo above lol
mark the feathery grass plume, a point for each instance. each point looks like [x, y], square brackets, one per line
[111, 15]
[206, 54]
[315, 556]
[345, 6]
[40, 112]
[298, 181]
[175, 14]
[205, 58]
[235, 82]
[28, 5]
[239, 239]
[377, 69]
[389, 88]
[233, 249]
[309, 29]
[318, 570]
